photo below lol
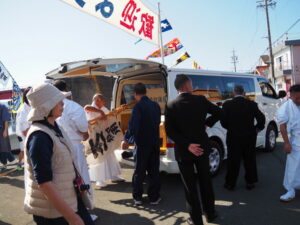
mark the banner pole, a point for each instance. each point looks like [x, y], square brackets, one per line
[160, 36]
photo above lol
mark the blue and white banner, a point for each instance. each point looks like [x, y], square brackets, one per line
[16, 97]
[165, 25]
[4, 75]
[131, 16]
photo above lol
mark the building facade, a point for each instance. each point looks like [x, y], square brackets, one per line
[286, 64]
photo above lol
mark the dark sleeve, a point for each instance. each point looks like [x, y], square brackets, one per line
[40, 150]
[171, 130]
[5, 113]
[134, 124]
[215, 114]
[224, 116]
[260, 117]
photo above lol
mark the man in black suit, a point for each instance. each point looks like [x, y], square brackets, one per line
[239, 115]
[186, 121]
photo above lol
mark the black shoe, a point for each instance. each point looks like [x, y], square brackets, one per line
[250, 186]
[211, 217]
[229, 187]
[138, 201]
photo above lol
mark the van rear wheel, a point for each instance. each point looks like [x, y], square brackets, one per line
[270, 138]
[215, 157]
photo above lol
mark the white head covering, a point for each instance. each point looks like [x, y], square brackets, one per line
[42, 99]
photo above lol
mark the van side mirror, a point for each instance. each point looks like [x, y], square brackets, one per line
[281, 94]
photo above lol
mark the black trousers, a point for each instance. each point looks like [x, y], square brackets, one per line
[82, 212]
[241, 149]
[146, 162]
[191, 179]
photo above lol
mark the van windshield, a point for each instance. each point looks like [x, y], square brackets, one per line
[219, 88]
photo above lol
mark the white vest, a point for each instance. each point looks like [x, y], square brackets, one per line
[63, 175]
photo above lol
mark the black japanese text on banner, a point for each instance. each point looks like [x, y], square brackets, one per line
[131, 16]
[104, 138]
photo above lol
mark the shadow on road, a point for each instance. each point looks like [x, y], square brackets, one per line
[11, 180]
[108, 217]
[169, 206]
[124, 187]
[260, 206]
[3, 223]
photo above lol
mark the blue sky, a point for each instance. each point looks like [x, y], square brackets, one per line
[37, 36]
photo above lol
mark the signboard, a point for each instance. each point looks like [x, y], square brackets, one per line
[131, 16]
[104, 137]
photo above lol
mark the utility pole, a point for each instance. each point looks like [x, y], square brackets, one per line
[234, 60]
[265, 4]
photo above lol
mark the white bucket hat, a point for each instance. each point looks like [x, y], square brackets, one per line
[42, 99]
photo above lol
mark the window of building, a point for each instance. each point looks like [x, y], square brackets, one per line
[279, 63]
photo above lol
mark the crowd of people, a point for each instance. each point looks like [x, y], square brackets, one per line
[58, 178]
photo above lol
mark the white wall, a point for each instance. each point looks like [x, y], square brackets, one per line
[285, 55]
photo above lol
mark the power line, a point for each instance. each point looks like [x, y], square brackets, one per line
[284, 33]
[294, 24]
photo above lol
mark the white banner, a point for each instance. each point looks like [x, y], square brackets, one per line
[104, 137]
[4, 75]
[131, 16]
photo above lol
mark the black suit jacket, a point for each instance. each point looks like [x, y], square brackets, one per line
[186, 121]
[239, 116]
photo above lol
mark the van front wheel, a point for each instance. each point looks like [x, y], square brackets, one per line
[270, 138]
[215, 157]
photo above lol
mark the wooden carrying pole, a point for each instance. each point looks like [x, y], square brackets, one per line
[115, 112]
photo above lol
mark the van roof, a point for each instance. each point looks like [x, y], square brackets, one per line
[123, 67]
[104, 67]
[212, 72]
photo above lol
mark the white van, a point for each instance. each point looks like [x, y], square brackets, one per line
[117, 77]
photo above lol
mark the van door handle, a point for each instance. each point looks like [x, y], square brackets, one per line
[265, 103]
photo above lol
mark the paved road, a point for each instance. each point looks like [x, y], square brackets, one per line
[114, 204]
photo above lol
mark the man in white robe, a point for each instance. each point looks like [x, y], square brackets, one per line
[109, 168]
[73, 121]
[288, 117]
[22, 125]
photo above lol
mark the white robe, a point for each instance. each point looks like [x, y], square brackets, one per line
[73, 121]
[109, 168]
[22, 124]
[289, 113]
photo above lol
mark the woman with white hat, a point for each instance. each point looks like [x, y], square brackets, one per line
[51, 165]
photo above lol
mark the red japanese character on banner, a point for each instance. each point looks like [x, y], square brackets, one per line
[147, 25]
[128, 15]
